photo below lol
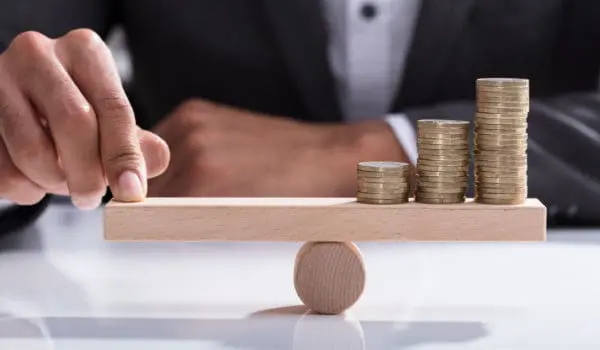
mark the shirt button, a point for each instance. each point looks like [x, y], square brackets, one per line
[368, 11]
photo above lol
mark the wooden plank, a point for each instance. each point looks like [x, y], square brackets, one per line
[320, 219]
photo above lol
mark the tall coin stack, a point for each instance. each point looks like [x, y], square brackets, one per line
[383, 182]
[501, 140]
[443, 161]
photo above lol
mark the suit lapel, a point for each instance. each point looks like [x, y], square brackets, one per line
[301, 34]
[439, 24]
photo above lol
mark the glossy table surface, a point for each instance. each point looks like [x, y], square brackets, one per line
[63, 287]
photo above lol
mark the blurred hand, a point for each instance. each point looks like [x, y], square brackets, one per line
[221, 151]
[66, 125]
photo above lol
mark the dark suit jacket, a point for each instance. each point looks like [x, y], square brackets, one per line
[270, 56]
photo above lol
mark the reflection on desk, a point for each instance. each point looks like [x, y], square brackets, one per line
[64, 287]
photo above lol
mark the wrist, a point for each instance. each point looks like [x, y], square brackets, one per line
[343, 146]
[375, 140]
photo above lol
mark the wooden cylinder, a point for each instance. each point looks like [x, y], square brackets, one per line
[329, 277]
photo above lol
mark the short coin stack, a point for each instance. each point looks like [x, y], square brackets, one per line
[501, 140]
[443, 161]
[383, 182]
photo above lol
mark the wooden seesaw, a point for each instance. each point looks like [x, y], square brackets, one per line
[329, 273]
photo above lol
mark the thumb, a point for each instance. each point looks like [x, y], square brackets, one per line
[156, 152]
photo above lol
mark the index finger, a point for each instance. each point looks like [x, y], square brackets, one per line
[92, 68]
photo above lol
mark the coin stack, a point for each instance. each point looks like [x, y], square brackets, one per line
[443, 161]
[383, 182]
[501, 140]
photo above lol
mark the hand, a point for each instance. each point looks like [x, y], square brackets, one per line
[222, 152]
[66, 125]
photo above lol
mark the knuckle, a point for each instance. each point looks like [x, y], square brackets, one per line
[84, 39]
[189, 106]
[29, 152]
[30, 44]
[5, 106]
[17, 188]
[195, 143]
[127, 157]
[10, 179]
[72, 110]
[205, 166]
[114, 104]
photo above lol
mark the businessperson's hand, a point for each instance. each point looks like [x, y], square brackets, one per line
[222, 151]
[66, 125]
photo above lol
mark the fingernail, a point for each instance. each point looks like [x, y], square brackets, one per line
[130, 187]
[87, 203]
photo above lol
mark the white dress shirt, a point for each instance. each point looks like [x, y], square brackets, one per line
[369, 42]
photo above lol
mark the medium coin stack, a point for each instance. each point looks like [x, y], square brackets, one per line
[443, 161]
[383, 182]
[501, 140]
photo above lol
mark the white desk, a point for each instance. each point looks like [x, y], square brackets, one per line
[63, 287]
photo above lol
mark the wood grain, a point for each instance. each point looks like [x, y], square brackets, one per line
[329, 277]
[320, 219]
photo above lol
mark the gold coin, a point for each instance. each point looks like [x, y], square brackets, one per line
[502, 89]
[499, 158]
[441, 190]
[500, 179]
[487, 143]
[510, 201]
[429, 162]
[454, 143]
[502, 133]
[486, 86]
[383, 187]
[426, 153]
[516, 116]
[516, 190]
[503, 148]
[360, 194]
[506, 151]
[444, 137]
[484, 93]
[443, 179]
[430, 131]
[443, 123]
[500, 167]
[505, 196]
[464, 157]
[374, 174]
[496, 164]
[485, 96]
[487, 192]
[483, 123]
[484, 174]
[427, 186]
[518, 106]
[499, 137]
[510, 124]
[442, 168]
[502, 110]
[382, 201]
[502, 81]
[512, 118]
[429, 173]
[395, 181]
[439, 200]
[448, 148]
[444, 133]
[499, 186]
[502, 92]
[438, 195]
[387, 167]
